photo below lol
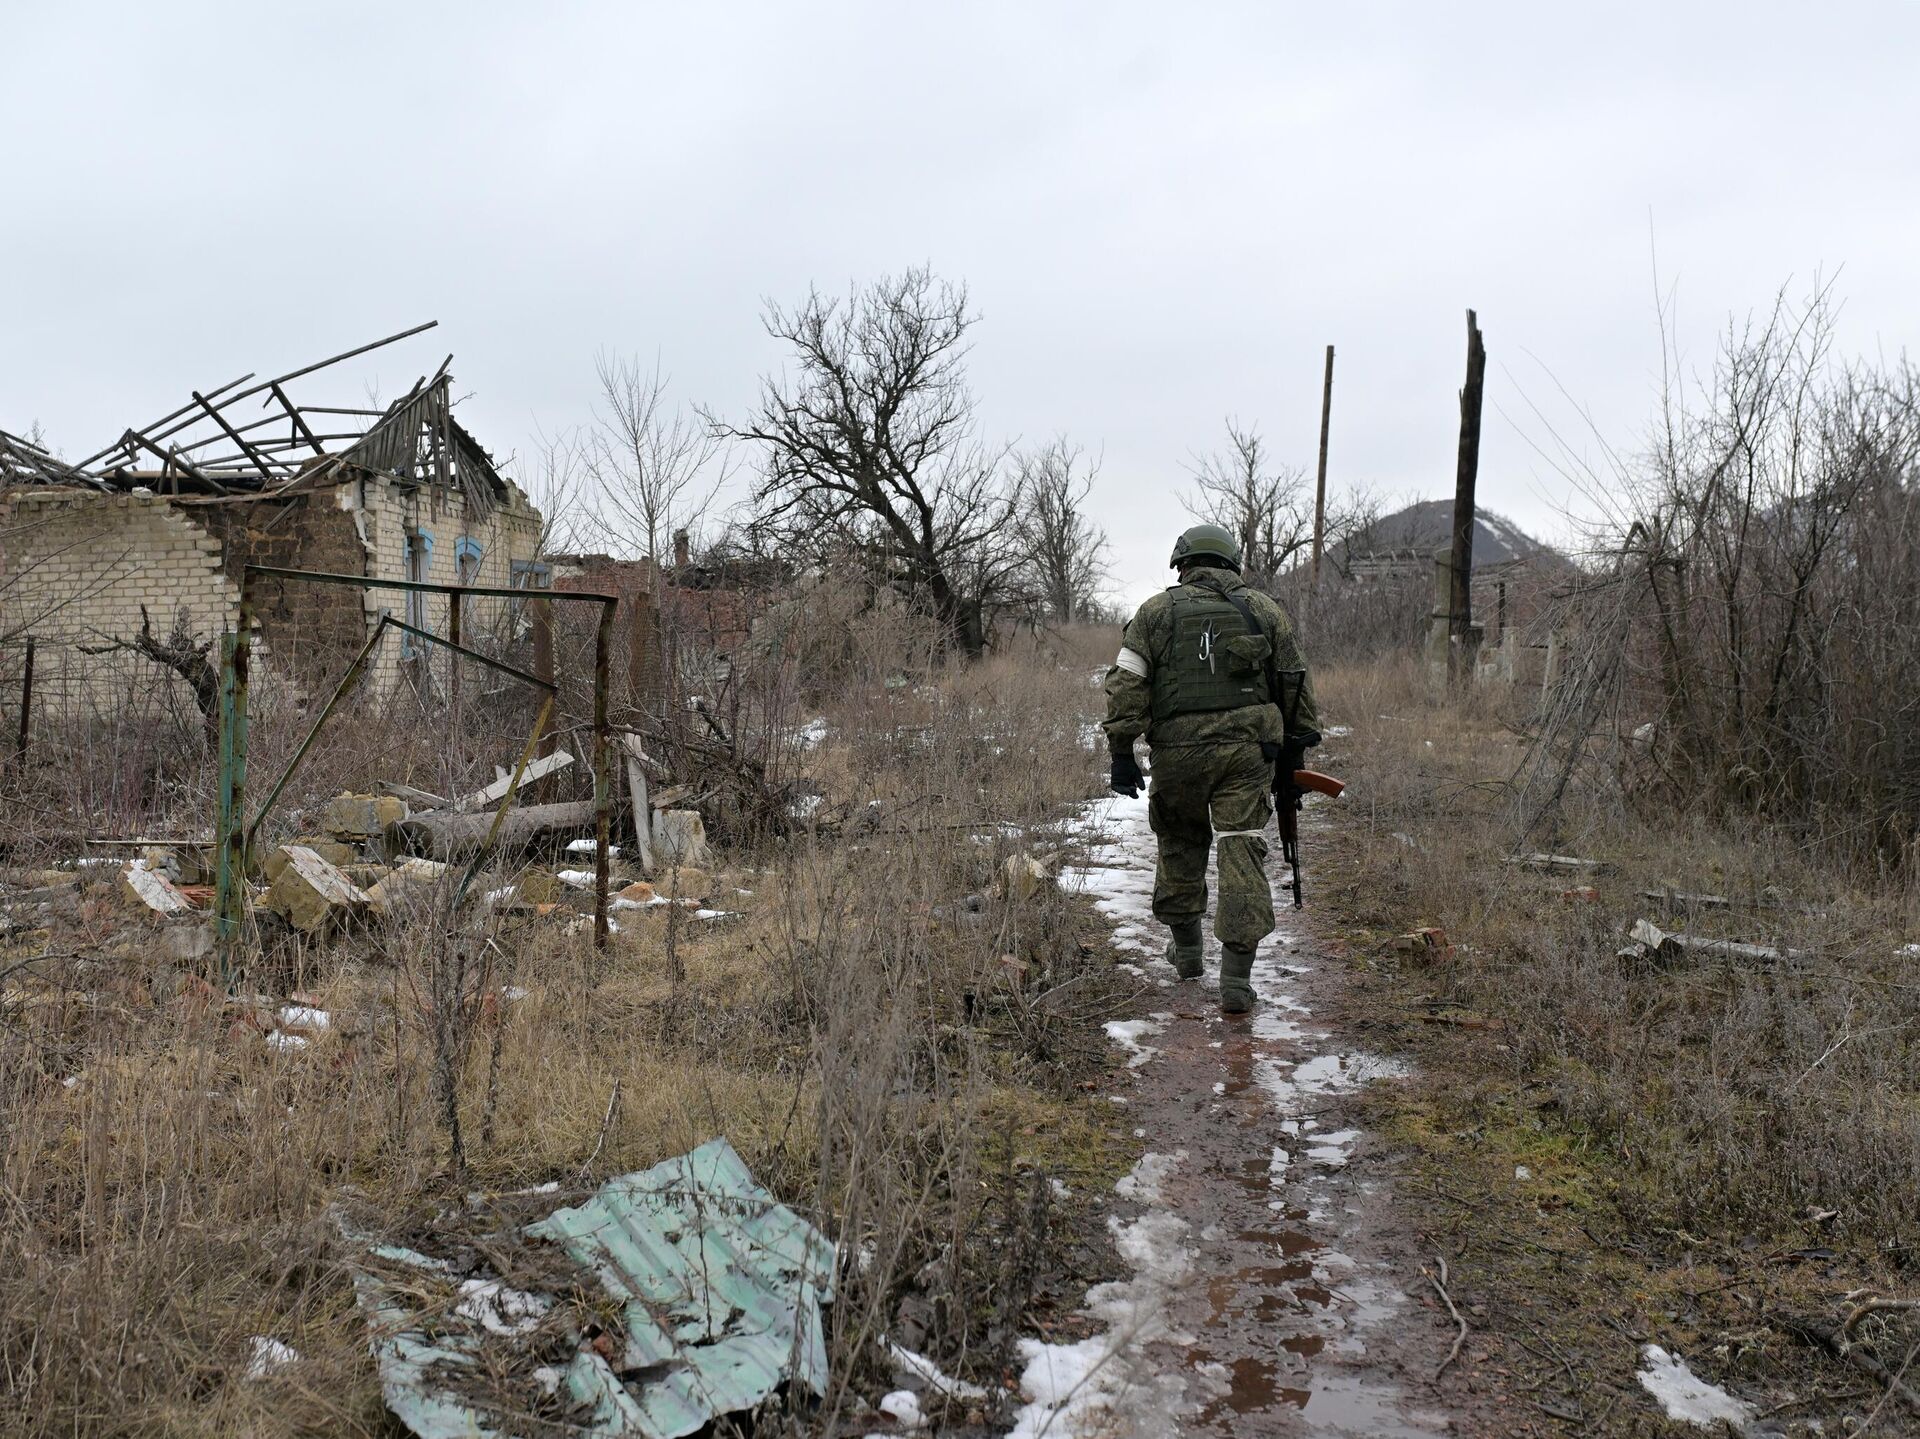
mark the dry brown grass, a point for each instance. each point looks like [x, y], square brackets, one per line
[167, 1177]
[1722, 1096]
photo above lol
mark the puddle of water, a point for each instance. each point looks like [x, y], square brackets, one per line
[1280, 1313]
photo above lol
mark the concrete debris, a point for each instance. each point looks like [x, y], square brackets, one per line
[718, 1289]
[187, 943]
[153, 889]
[185, 864]
[361, 816]
[1428, 943]
[311, 894]
[333, 851]
[1023, 876]
[679, 837]
[497, 791]
[1651, 940]
[408, 883]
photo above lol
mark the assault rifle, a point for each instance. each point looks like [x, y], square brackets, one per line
[1289, 788]
[1290, 785]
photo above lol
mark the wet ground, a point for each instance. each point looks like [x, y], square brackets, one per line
[1290, 1308]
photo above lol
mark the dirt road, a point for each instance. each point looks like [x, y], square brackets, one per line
[1274, 1277]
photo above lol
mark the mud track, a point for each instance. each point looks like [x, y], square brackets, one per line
[1299, 1307]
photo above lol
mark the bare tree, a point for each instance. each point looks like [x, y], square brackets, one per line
[1065, 551]
[554, 477]
[1268, 507]
[652, 465]
[870, 448]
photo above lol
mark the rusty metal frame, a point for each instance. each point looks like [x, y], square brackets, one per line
[235, 835]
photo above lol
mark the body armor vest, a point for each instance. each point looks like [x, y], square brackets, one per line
[1214, 662]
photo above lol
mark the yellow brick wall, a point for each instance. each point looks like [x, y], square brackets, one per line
[76, 566]
[388, 513]
[75, 569]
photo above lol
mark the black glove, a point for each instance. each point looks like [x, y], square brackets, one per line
[1293, 756]
[1126, 778]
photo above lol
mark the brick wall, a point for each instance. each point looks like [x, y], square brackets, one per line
[396, 519]
[313, 630]
[75, 569]
[77, 565]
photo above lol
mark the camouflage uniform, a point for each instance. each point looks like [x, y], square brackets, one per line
[1209, 775]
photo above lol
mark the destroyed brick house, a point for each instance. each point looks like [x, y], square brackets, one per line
[136, 552]
[698, 614]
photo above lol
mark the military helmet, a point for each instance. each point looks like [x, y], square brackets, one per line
[1208, 540]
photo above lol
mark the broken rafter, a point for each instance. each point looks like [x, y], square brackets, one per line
[164, 419]
[171, 460]
[259, 460]
[293, 414]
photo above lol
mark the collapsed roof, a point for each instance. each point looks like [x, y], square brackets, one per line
[210, 446]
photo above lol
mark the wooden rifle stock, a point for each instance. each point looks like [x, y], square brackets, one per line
[1287, 791]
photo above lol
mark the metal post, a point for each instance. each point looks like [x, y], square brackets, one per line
[602, 773]
[1320, 486]
[543, 669]
[236, 660]
[453, 678]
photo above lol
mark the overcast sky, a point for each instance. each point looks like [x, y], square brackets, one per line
[1163, 213]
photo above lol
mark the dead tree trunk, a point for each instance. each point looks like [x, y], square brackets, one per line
[1460, 648]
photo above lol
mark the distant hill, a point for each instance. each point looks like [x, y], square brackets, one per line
[1424, 526]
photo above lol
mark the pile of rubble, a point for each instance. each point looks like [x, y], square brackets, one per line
[371, 858]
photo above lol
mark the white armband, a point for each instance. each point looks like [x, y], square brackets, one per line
[1132, 661]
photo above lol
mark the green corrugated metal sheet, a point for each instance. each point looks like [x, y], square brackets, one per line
[719, 1286]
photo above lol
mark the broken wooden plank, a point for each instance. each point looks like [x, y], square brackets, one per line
[1562, 863]
[497, 791]
[1680, 899]
[637, 791]
[426, 799]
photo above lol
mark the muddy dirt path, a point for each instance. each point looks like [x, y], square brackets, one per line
[1275, 1278]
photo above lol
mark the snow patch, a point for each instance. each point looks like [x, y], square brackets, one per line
[1144, 1181]
[269, 1355]
[1686, 1397]
[498, 1309]
[1127, 1033]
[1075, 1390]
[930, 1372]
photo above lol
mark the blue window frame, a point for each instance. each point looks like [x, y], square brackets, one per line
[467, 555]
[416, 560]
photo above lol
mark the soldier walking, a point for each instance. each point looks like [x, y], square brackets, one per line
[1211, 674]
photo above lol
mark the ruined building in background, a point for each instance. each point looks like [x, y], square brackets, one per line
[140, 547]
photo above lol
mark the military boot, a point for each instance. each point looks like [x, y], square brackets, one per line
[1184, 951]
[1236, 980]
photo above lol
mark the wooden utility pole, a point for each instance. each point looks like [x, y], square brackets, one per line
[1460, 655]
[1320, 486]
